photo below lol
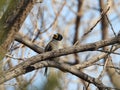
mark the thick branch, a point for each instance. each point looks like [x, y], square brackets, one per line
[21, 68]
[14, 23]
[77, 21]
[25, 41]
[72, 70]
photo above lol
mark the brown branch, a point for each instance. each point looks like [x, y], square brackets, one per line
[21, 13]
[92, 60]
[102, 15]
[108, 61]
[77, 24]
[76, 32]
[104, 22]
[57, 15]
[72, 70]
[113, 74]
[25, 41]
[111, 25]
[23, 67]
[105, 51]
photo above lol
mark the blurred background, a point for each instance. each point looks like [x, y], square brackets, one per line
[80, 22]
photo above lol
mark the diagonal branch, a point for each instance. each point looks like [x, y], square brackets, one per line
[24, 40]
[23, 67]
[72, 70]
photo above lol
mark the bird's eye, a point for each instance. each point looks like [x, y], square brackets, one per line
[55, 36]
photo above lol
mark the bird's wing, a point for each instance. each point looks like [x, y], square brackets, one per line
[48, 47]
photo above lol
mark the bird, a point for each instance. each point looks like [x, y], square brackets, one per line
[53, 45]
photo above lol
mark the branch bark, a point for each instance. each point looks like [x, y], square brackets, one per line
[13, 24]
[72, 70]
[24, 40]
[23, 67]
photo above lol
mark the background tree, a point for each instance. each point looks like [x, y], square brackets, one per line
[88, 27]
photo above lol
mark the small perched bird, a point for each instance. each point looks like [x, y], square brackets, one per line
[53, 45]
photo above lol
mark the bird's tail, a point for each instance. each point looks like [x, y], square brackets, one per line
[45, 73]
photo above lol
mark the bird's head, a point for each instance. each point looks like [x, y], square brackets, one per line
[57, 36]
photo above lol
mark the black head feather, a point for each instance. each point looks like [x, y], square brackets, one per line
[57, 36]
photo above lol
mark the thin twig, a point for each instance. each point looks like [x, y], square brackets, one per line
[102, 15]
[107, 66]
[10, 56]
[108, 52]
[111, 25]
[54, 19]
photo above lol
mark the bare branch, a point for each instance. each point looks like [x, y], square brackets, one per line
[24, 67]
[25, 41]
[102, 15]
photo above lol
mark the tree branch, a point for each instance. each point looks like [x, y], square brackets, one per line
[23, 67]
[68, 68]
[25, 41]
